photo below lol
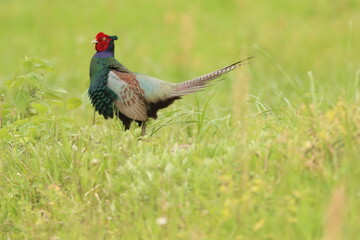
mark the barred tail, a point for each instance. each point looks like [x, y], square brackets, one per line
[199, 83]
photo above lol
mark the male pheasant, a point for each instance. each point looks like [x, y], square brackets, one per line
[115, 90]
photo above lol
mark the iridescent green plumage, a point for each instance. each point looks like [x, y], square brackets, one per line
[102, 97]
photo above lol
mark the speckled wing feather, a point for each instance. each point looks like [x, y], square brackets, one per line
[130, 101]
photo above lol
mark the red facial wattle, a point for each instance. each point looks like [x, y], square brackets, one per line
[102, 45]
[103, 42]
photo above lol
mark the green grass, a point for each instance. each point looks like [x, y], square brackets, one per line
[272, 152]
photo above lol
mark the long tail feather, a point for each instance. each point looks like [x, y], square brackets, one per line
[199, 83]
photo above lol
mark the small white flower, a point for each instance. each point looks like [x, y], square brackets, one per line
[161, 221]
[74, 148]
[95, 161]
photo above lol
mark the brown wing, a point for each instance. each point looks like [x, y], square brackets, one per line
[131, 101]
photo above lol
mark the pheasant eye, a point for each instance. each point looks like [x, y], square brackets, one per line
[103, 39]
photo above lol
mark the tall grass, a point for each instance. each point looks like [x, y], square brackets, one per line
[271, 152]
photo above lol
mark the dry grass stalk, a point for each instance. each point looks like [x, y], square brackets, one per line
[335, 215]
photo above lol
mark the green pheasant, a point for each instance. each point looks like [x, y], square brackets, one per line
[115, 90]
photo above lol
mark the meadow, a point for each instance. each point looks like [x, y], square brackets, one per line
[271, 152]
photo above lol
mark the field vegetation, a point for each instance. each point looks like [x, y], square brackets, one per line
[271, 152]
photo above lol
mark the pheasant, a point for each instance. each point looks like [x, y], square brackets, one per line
[131, 96]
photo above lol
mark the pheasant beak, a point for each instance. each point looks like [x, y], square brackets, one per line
[94, 41]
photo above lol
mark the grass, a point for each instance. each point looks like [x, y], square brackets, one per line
[269, 153]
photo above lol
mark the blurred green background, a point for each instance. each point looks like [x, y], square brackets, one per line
[178, 40]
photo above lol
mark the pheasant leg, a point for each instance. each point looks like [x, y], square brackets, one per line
[143, 129]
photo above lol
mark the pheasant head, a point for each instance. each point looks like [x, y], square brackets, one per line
[104, 42]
